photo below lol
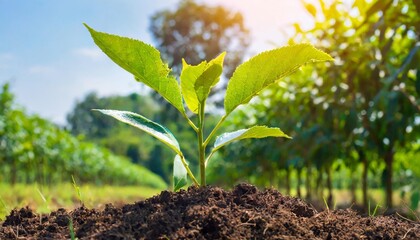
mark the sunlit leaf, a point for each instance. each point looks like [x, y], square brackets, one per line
[253, 132]
[209, 78]
[196, 81]
[180, 174]
[189, 76]
[142, 123]
[267, 68]
[143, 61]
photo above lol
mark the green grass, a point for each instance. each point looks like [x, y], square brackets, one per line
[46, 199]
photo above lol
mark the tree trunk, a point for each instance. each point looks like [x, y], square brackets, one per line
[364, 181]
[308, 182]
[389, 159]
[288, 181]
[319, 189]
[299, 182]
[353, 188]
[329, 186]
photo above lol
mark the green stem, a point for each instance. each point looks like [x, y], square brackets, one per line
[201, 145]
[190, 122]
[190, 174]
[208, 157]
[215, 130]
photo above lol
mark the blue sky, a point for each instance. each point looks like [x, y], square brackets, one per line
[50, 60]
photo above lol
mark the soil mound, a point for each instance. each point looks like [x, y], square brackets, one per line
[208, 213]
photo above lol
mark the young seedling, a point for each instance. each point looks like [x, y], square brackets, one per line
[71, 228]
[77, 189]
[46, 203]
[249, 79]
[4, 209]
[372, 214]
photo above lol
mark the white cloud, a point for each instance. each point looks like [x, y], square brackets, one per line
[5, 59]
[6, 56]
[91, 53]
[42, 70]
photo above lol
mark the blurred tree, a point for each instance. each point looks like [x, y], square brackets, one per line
[198, 32]
[81, 120]
[34, 150]
[372, 85]
[359, 109]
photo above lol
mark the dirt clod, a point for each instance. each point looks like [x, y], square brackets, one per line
[208, 213]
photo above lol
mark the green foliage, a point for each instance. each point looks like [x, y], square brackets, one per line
[35, 150]
[197, 82]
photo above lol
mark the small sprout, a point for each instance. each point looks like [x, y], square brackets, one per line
[3, 208]
[372, 214]
[71, 228]
[46, 202]
[77, 189]
[249, 79]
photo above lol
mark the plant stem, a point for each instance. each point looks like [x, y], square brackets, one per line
[201, 144]
[189, 171]
[214, 130]
[190, 122]
[208, 158]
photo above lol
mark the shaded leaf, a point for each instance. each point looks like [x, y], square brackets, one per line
[180, 173]
[267, 68]
[142, 123]
[143, 61]
[253, 132]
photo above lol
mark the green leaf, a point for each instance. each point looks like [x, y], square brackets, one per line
[253, 132]
[267, 68]
[197, 81]
[180, 173]
[209, 78]
[142, 123]
[188, 77]
[143, 61]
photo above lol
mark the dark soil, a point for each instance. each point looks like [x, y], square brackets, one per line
[208, 213]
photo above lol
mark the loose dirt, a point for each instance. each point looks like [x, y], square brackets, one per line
[208, 213]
